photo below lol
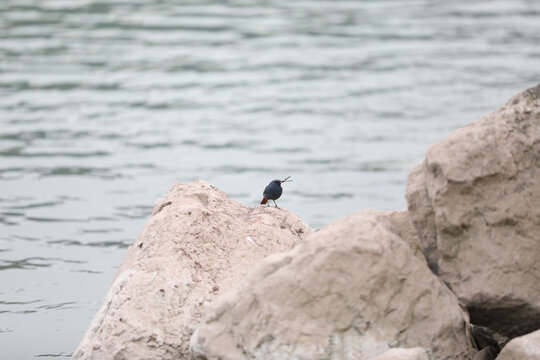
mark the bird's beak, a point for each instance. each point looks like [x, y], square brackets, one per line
[285, 180]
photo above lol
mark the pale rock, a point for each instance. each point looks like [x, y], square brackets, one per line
[352, 290]
[404, 354]
[526, 347]
[197, 244]
[402, 225]
[475, 204]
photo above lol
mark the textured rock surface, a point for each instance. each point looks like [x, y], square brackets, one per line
[402, 225]
[352, 290]
[197, 244]
[526, 347]
[404, 354]
[475, 204]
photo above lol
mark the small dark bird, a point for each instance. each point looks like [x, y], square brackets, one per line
[273, 191]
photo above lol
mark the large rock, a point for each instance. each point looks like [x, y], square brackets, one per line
[526, 347]
[198, 244]
[475, 204]
[352, 290]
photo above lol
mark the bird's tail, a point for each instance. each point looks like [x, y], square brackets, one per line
[264, 201]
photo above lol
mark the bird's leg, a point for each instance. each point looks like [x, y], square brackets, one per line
[267, 204]
[275, 203]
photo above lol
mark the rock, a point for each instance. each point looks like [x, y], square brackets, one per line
[404, 354]
[526, 347]
[475, 204]
[352, 290]
[197, 244]
[402, 225]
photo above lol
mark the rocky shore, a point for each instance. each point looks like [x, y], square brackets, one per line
[456, 276]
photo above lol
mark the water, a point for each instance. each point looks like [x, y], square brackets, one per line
[103, 104]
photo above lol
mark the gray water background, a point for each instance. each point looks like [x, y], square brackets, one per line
[104, 104]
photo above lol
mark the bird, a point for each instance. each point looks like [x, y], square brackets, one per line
[273, 191]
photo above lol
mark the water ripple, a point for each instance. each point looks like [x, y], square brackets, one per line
[33, 263]
[120, 244]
